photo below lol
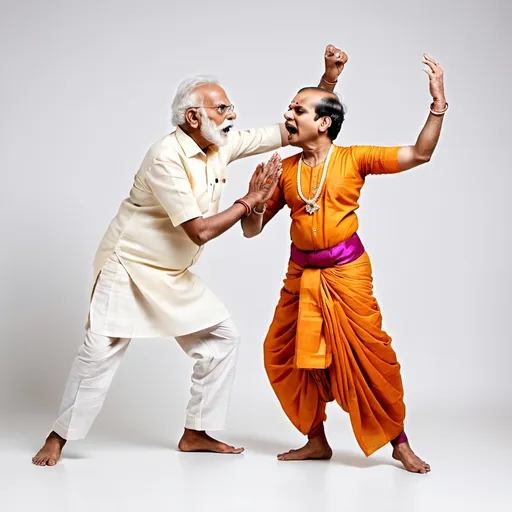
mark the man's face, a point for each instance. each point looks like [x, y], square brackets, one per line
[300, 118]
[216, 116]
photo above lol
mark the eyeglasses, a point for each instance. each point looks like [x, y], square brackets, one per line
[221, 109]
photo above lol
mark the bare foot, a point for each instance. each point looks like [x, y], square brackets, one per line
[316, 448]
[49, 454]
[200, 441]
[403, 453]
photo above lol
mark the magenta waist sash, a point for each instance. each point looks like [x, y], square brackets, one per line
[341, 254]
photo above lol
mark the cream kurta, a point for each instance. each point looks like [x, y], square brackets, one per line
[175, 183]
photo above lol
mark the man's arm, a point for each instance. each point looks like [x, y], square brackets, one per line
[244, 143]
[335, 61]
[203, 229]
[421, 152]
[252, 225]
[263, 183]
[170, 184]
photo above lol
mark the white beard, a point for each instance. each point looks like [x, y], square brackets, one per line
[213, 133]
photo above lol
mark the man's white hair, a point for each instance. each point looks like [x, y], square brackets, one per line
[186, 96]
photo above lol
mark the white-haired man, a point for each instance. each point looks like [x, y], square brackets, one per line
[143, 285]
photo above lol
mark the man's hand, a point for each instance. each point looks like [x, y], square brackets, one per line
[436, 78]
[422, 151]
[335, 61]
[263, 184]
[264, 180]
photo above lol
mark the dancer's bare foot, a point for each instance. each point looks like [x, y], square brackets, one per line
[316, 448]
[403, 453]
[49, 454]
[200, 441]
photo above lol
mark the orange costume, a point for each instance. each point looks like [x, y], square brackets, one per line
[326, 340]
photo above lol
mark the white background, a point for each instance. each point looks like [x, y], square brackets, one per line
[86, 89]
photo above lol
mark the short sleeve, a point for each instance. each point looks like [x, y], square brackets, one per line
[170, 184]
[246, 143]
[376, 159]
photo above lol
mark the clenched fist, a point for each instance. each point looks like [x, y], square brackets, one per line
[335, 61]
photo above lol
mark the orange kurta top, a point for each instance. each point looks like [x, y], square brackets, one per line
[335, 222]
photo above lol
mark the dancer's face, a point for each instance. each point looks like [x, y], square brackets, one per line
[301, 118]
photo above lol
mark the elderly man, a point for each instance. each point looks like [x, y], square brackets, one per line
[143, 285]
[326, 340]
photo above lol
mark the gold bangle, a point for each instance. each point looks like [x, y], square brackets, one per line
[327, 81]
[439, 112]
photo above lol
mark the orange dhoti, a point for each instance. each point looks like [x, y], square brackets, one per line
[343, 354]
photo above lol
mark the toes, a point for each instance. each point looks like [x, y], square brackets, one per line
[423, 468]
[232, 449]
[289, 456]
[52, 462]
[226, 448]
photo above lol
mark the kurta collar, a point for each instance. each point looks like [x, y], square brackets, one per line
[189, 145]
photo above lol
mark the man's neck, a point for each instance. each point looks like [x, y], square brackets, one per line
[314, 153]
[196, 136]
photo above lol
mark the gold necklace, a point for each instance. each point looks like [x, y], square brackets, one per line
[311, 204]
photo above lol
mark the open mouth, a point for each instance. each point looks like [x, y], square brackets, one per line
[227, 129]
[291, 129]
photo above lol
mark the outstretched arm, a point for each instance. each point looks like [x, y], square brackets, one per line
[421, 152]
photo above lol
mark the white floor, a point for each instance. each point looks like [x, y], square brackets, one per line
[132, 471]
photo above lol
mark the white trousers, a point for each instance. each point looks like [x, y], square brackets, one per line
[215, 352]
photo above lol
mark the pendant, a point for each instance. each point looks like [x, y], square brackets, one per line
[312, 208]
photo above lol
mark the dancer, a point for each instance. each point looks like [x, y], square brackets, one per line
[326, 340]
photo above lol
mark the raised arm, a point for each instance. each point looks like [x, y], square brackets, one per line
[334, 60]
[421, 152]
